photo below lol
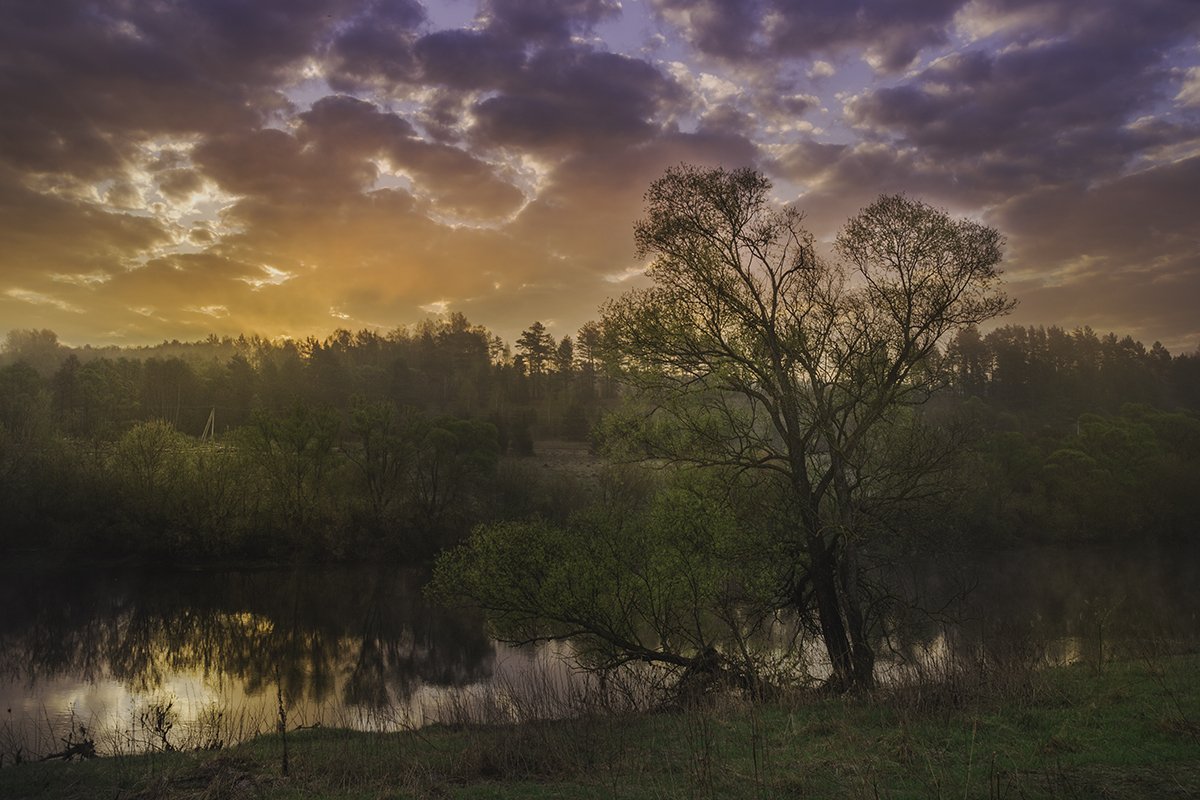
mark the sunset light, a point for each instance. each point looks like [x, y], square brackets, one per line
[476, 151]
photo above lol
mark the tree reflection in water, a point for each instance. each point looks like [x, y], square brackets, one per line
[361, 640]
[355, 636]
[1051, 605]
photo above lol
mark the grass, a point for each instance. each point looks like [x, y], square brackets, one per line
[1129, 731]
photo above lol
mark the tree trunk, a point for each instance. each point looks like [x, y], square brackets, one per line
[843, 628]
[862, 655]
[823, 576]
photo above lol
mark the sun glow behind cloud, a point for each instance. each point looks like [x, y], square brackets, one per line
[270, 277]
[270, 167]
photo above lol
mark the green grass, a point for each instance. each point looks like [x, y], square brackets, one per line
[1131, 732]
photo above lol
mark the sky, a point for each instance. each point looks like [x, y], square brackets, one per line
[175, 168]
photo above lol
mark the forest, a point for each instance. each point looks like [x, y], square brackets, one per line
[398, 443]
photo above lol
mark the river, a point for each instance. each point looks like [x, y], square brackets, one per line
[146, 658]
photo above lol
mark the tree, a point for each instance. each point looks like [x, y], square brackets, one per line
[295, 450]
[25, 427]
[452, 458]
[756, 354]
[382, 450]
[39, 349]
[150, 456]
[587, 346]
[537, 346]
[564, 356]
[670, 578]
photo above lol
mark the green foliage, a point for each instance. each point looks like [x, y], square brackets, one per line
[294, 451]
[668, 579]
[150, 456]
[1127, 476]
[386, 485]
[296, 483]
[751, 351]
[452, 457]
[382, 450]
[39, 349]
[24, 419]
[536, 347]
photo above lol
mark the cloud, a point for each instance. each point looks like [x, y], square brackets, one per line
[375, 48]
[891, 34]
[350, 132]
[577, 98]
[547, 20]
[586, 212]
[43, 234]
[1120, 256]
[92, 80]
[40, 299]
[1189, 92]
[284, 166]
[821, 69]
[468, 59]
[1039, 111]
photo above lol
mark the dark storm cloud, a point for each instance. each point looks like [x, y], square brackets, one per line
[443, 114]
[465, 59]
[333, 156]
[1051, 95]
[347, 131]
[94, 82]
[1131, 220]
[457, 182]
[184, 276]
[727, 28]
[490, 55]
[725, 118]
[90, 79]
[78, 78]
[1123, 256]
[346, 127]
[547, 20]
[806, 159]
[375, 46]
[179, 184]
[1050, 111]
[273, 165]
[575, 97]
[892, 33]
[839, 180]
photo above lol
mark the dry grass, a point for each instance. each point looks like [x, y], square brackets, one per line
[953, 729]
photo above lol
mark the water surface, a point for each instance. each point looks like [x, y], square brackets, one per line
[150, 657]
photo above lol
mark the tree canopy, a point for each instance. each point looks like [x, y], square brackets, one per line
[755, 353]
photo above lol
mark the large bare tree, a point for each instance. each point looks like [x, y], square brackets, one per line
[754, 353]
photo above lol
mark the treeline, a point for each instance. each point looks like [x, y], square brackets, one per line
[547, 388]
[366, 443]
[356, 445]
[1075, 436]
[1049, 376]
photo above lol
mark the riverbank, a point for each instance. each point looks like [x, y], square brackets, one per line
[1130, 730]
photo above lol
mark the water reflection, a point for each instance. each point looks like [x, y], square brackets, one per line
[346, 639]
[365, 633]
[361, 647]
[1052, 605]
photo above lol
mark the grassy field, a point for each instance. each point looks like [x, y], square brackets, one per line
[1131, 730]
